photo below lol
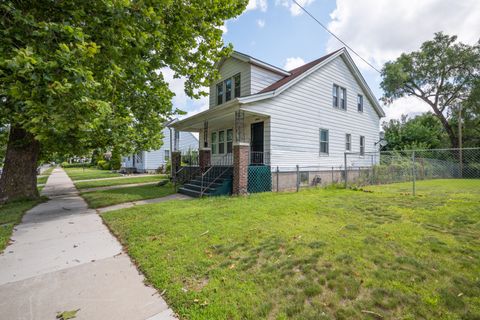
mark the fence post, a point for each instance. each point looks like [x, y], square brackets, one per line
[278, 175]
[345, 168]
[332, 174]
[298, 177]
[413, 172]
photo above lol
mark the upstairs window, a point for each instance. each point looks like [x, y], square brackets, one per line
[236, 80]
[323, 141]
[219, 93]
[343, 98]
[362, 145]
[228, 90]
[339, 95]
[335, 96]
[348, 142]
[360, 103]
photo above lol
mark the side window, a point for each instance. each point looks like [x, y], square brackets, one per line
[214, 143]
[360, 103]
[335, 96]
[167, 155]
[362, 145]
[228, 90]
[348, 142]
[343, 98]
[323, 141]
[219, 93]
[236, 80]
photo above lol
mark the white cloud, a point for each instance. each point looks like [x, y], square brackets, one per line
[381, 30]
[295, 10]
[410, 106]
[261, 23]
[181, 100]
[257, 4]
[224, 28]
[293, 62]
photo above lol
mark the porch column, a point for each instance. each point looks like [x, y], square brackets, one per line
[240, 168]
[204, 158]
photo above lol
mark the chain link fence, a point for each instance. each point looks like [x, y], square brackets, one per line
[378, 168]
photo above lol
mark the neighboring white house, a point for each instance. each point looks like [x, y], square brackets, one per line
[150, 161]
[308, 116]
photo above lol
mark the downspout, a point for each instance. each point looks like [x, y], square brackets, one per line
[171, 149]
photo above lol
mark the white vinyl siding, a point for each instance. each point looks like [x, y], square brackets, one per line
[297, 114]
[261, 78]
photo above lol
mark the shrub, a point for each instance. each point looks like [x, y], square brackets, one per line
[75, 165]
[116, 160]
[103, 165]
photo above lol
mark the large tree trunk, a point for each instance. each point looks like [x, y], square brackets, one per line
[19, 177]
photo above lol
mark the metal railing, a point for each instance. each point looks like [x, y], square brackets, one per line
[215, 172]
[259, 158]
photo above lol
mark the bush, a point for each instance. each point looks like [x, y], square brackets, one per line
[75, 165]
[103, 165]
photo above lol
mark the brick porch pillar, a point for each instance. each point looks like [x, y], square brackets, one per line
[176, 162]
[204, 158]
[240, 168]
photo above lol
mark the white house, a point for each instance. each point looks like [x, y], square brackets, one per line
[308, 116]
[151, 161]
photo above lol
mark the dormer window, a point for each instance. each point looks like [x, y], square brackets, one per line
[220, 93]
[228, 89]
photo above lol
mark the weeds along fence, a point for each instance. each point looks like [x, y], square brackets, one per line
[377, 168]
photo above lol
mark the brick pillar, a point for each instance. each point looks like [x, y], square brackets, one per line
[204, 158]
[240, 168]
[176, 162]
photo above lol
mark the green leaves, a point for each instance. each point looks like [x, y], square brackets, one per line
[83, 74]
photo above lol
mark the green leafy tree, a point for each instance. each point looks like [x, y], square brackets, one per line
[442, 74]
[421, 132]
[77, 75]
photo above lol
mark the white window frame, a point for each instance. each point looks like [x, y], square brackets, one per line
[223, 85]
[166, 155]
[220, 85]
[359, 102]
[362, 145]
[343, 92]
[348, 142]
[214, 144]
[327, 141]
[226, 141]
[335, 91]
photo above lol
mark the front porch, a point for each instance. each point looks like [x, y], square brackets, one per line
[231, 142]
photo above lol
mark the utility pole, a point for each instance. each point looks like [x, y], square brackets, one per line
[460, 140]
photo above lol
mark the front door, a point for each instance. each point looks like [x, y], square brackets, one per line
[256, 154]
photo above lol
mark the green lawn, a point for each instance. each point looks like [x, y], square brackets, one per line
[318, 254]
[89, 173]
[116, 182]
[104, 198]
[10, 215]
[44, 176]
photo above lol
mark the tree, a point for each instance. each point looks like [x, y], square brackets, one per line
[441, 74]
[421, 132]
[78, 75]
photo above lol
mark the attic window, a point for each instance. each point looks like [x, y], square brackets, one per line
[220, 93]
[228, 90]
[360, 103]
[339, 97]
[236, 80]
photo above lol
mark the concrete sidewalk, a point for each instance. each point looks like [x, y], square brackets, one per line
[64, 258]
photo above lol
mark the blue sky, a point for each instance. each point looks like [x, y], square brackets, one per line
[277, 32]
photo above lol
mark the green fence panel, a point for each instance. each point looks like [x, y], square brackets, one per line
[259, 179]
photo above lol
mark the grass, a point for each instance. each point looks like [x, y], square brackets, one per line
[104, 198]
[116, 182]
[10, 215]
[44, 176]
[317, 254]
[89, 173]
